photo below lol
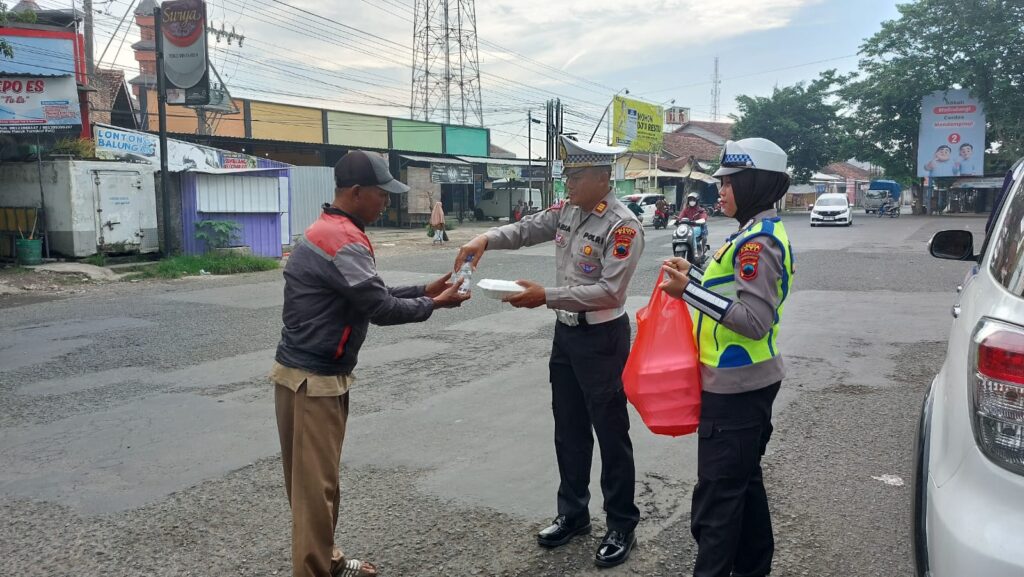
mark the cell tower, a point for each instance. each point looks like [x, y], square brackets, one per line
[446, 63]
[716, 93]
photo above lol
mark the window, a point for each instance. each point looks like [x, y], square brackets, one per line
[877, 194]
[831, 201]
[1008, 248]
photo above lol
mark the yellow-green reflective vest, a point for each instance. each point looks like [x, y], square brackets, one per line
[719, 346]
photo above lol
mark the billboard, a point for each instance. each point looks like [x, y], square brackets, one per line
[120, 144]
[952, 137]
[32, 105]
[183, 25]
[637, 125]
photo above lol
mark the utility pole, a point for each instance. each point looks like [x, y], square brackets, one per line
[529, 153]
[90, 62]
[161, 98]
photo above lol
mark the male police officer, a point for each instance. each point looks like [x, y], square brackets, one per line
[598, 244]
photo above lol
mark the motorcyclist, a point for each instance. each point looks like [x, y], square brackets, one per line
[696, 214]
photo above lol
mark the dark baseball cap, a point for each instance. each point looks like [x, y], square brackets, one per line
[362, 168]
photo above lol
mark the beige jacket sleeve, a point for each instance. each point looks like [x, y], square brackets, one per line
[534, 229]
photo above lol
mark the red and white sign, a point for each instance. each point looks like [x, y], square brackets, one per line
[183, 24]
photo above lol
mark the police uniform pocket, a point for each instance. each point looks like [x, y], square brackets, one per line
[727, 450]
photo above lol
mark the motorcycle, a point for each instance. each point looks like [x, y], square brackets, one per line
[660, 219]
[686, 244]
[714, 209]
[890, 210]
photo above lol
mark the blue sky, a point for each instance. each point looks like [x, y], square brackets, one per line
[659, 49]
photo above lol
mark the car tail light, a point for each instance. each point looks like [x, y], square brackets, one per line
[998, 399]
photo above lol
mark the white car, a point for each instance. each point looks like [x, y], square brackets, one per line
[646, 202]
[969, 457]
[832, 209]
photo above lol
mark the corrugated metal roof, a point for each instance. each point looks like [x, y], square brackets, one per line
[433, 159]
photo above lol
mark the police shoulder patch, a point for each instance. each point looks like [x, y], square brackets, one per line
[601, 207]
[623, 236]
[748, 257]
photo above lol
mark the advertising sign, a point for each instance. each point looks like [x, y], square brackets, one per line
[637, 125]
[952, 137]
[31, 105]
[120, 144]
[451, 173]
[677, 115]
[183, 25]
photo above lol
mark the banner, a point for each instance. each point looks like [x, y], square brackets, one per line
[952, 137]
[183, 25]
[120, 144]
[516, 172]
[31, 105]
[451, 173]
[637, 125]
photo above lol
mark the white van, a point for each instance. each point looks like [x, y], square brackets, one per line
[499, 202]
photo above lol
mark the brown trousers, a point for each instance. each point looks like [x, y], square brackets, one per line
[312, 430]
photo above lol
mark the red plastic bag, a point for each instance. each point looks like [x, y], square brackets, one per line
[662, 375]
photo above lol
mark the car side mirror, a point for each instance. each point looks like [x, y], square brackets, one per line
[952, 245]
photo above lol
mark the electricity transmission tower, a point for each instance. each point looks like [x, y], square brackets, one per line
[446, 63]
[716, 93]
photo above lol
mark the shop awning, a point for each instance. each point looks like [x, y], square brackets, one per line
[431, 159]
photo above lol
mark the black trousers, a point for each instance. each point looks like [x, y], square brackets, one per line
[729, 517]
[586, 398]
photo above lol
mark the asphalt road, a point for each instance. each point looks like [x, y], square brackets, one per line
[137, 434]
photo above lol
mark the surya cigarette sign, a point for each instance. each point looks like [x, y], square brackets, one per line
[952, 140]
[183, 25]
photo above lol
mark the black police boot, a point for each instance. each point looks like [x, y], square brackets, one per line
[615, 548]
[562, 530]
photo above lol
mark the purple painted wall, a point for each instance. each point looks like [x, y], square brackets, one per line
[261, 231]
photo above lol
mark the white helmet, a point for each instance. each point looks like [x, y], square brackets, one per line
[759, 153]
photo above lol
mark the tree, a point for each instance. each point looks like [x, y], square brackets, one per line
[937, 45]
[6, 50]
[804, 119]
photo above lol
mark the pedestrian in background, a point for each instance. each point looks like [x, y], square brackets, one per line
[598, 243]
[437, 223]
[737, 305]
[331, 294]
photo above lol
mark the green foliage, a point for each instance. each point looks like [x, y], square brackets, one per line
[98, 259]
[179, 266]
[75, 147]
[6, 50]
[217, 233]
[937, 45]
[803, 119]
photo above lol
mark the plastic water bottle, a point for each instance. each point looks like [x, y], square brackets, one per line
[465, 274]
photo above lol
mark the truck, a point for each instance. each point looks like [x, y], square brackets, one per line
[499, 202]
[878, 191]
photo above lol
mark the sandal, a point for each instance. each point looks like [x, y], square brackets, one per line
[355, 568]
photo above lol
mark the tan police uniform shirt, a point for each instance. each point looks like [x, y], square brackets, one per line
[596, 253]
[316, 385]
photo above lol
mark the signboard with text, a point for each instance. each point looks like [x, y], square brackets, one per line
[952, 136]
[637, 125]
[183, 25]
[677, 115]
[121, 144]
[451, 173]
[33, 105]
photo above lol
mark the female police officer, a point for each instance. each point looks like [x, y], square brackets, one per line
[737, 303]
